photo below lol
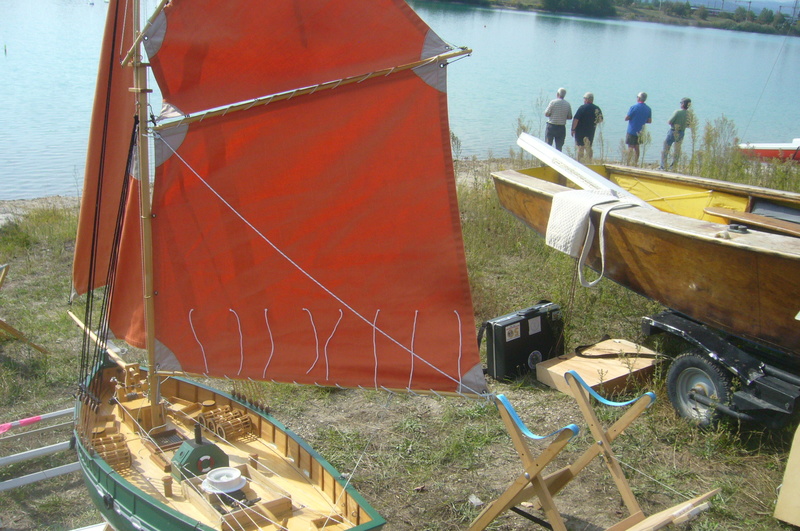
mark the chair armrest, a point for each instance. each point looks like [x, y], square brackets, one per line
[524, 429]
[607, 402]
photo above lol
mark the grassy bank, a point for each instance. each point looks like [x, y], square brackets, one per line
[422, 462]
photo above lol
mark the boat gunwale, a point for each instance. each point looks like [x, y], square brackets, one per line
[376, 520]
[716, 184]
[783, 246]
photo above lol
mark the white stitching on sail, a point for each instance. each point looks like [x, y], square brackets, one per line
[202, 350]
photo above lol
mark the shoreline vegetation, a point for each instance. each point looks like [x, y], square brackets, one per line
[674, 13]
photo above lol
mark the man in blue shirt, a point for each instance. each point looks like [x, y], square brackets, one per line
[638, 115]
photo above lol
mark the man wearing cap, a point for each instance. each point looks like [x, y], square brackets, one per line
[584, 123]
[678, 123]
[638, 115]
[558, 112]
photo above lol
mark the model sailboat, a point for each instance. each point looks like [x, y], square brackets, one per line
[300, 225]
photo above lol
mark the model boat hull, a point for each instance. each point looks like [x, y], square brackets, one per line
[747, 284]
[137, 483]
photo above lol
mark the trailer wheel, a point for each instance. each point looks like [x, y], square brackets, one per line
[695, 372]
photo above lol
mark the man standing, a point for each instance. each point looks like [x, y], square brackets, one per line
[678, 123]
[586, 119]
[558, 112]
[638, 115]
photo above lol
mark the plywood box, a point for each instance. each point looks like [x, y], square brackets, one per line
[608, 366]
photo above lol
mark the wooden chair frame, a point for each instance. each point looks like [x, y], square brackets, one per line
[530, 482]
[532, 486]
[7, 328]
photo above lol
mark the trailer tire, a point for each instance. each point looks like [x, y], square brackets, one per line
[693, 371]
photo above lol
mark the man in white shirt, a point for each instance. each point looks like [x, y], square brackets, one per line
[558, 112]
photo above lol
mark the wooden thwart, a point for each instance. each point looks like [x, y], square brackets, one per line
[757, 220]
[532, 485]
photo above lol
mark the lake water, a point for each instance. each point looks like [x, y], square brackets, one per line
[50, 50]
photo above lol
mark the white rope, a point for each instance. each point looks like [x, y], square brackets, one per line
[241, 341]
[271, 342]
[413, 337]
[587, 244]
[202, 350]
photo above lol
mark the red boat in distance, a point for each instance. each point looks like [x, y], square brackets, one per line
[773, 151]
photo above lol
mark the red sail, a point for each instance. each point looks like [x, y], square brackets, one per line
[317, 240]
[314, 239]
[107, 158]
[203, 61]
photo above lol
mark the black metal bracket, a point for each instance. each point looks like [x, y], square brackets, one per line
[767, 390]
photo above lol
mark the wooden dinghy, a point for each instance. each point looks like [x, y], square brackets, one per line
[725, 254]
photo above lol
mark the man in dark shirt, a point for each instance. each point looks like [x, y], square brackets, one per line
[586, 119]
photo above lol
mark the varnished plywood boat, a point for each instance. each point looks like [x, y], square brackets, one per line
[727, 255]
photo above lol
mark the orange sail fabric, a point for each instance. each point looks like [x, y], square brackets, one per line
[317, 240]
[109, 140]
[203, 61]
[126, 316]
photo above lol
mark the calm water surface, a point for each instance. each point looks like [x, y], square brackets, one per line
[51, 47]
[520, 60]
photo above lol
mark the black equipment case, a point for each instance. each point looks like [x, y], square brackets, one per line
[516, 342]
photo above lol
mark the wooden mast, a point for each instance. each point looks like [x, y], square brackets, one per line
[143, 169]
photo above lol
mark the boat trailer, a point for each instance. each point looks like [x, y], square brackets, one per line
[699, 381]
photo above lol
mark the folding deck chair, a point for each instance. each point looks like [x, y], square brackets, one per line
[530, 482]
[544, 488]
[7, 328]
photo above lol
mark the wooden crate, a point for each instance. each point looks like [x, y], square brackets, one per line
[605, 375]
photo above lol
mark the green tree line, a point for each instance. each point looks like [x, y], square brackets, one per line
[664, 11]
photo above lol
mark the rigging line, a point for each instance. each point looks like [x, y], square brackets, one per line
[332, 506]
[385, 408]
[245, 509]
[111, 278]
[651, 478]
[92, 265]
[308, 275]
[764, 88]
[189, 420]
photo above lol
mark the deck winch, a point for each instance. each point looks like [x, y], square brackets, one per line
[197, 457]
